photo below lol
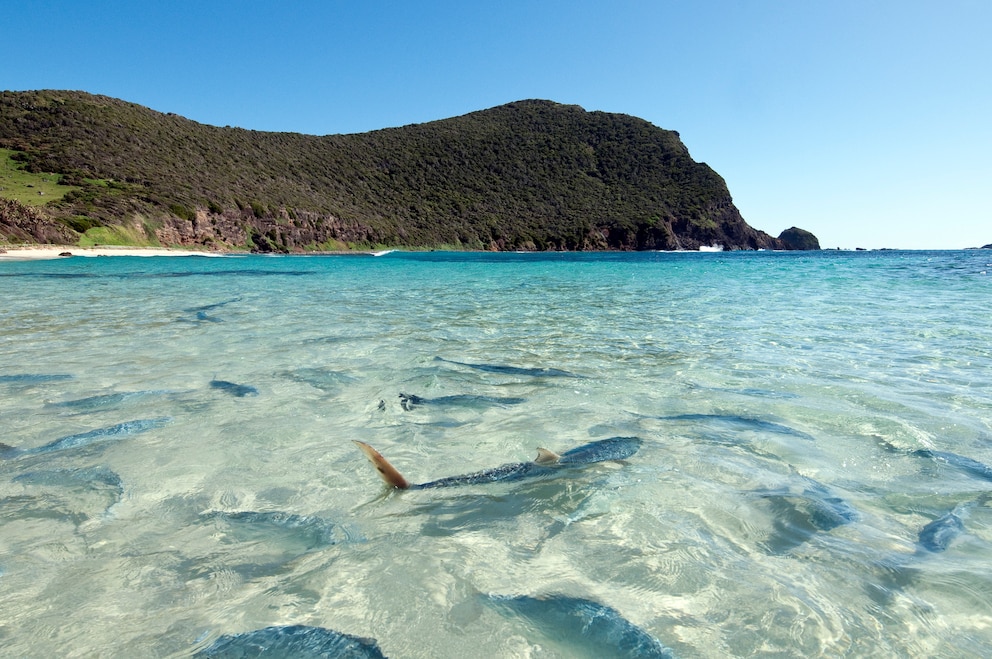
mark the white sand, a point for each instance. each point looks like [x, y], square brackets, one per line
[15, 253]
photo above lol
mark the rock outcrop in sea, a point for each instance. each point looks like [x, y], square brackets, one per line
[799, 239]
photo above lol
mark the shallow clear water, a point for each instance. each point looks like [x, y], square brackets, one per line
[774, 508]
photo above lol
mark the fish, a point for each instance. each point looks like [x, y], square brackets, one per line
[960, 462]
[92, 477]
[587, 628]
[34, 378]
[800, 515]
[546, 463]
[118, 431]
[293, 641]
[828, 511]
[215, 305]
[744, 423]
[202, 315]
[103, 401]
[245, 525]
[514, 370]
[937, 535]
[238, 390]
[759, 393]
[409, 401]
[201, 312]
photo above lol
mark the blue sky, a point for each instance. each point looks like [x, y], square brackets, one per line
[863, 121]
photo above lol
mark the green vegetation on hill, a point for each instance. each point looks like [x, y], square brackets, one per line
[28, 187]
[527, 175]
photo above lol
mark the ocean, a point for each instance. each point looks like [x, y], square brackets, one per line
[812, 479]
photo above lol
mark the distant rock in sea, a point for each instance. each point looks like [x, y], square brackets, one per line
[989, 246]
[796, 238]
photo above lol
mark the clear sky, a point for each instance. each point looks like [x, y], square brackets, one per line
[866, 122]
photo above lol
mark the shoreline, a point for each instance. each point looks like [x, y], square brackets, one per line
[42, 252]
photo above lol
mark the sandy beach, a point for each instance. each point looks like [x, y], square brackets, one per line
[33, 252]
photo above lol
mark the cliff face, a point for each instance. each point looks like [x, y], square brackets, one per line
[527, 175]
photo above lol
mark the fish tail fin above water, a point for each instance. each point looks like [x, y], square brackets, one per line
[387, 472]
[544, 457]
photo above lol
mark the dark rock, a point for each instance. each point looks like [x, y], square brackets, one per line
[800, 239]
[65, 253]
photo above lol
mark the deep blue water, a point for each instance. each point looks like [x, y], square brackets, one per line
[804, 417]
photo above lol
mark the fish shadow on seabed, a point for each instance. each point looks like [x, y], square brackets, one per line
[74, 494]
[800, 512]
[578, 627]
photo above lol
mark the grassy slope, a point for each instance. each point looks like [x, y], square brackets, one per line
[29, 188]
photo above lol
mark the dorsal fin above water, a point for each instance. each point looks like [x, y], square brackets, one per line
[544, 456]
[387, 472]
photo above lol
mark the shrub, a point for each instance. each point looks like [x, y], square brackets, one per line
[81, 223]
[181, 211]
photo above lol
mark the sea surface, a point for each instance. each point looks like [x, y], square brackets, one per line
[812, 479]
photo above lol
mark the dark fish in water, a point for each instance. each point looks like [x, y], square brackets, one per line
[514, 370]
[967, 465]
[937, 535]
[293, 642]
[201, 312]
[103, 401]
[248, 525]
[215, 305]
[239, 390]
[118, 431]
[801, 515]
[748, 391]
[33, 378]
[587, 628]
[740, 423]
[546, 463]
[409, 401]
[88, 476]
[828, 511]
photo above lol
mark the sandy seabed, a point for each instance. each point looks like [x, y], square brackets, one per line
[31, 252]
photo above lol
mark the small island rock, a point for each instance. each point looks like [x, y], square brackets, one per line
[800, 239]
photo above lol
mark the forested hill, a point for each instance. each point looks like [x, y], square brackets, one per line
[527, 175]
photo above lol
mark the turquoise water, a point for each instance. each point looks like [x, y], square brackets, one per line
[803, 415]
